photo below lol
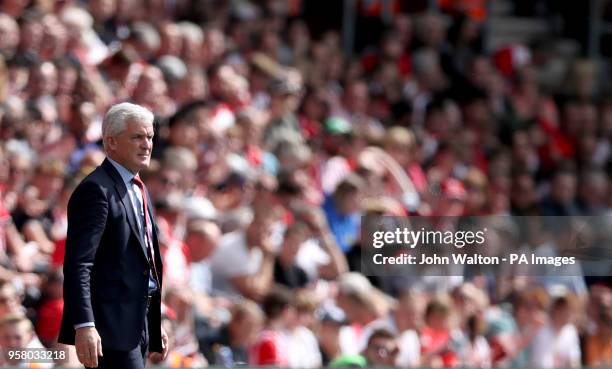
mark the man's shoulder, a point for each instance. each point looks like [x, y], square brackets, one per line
[98, 176]
[97, 181]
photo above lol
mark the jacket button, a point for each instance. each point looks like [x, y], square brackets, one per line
[145, 273]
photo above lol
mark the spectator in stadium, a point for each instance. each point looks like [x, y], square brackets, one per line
[598, 345]
[201, 239]
[401, 144]
[174, 255]
[273, 344]
[180, 300]
[176, 357]
[243, 262]
[330, 320]
[403, 322]
[312, 253]
[34, 216]
[477, 352]
[303, 345]
[529, 311]
[16, 332]
[382, 349]
[285, 95]
[337, 141]
[363, 305]
[561, 201]
[355, 105]
[9, 34]
[523, 197]
[436, 335]
[592, 188]
[20, 169]
[10, 302]
[342, 211]
[476, 193]
[50, 311]
[229, 343]
[556, 345]
[232, 196]
[286, 272]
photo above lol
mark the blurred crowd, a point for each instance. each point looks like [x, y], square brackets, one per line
[271, 144]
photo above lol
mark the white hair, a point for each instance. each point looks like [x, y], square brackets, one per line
[9, 22]
[118, 115]
[192, 32]
[78, 18]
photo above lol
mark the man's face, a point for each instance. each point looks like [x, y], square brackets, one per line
[9, 34]
[203, 241]
[348, 305]
[349, 202]
[245, 330]
[13, 7]
[169, 181]
[523, 192]
[45, 79]
[102, 9]
[294, 239]
[15, 336]
[171, 39]
[564, 188]
[8, 300]
[132, 147]
[357, 98]
[382, 351]
[184, 134]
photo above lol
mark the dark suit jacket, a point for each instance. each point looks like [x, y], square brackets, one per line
[106, 269]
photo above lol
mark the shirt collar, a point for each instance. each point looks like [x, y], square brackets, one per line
[125, 174]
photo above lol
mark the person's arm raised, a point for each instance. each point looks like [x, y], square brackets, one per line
[337, 264]
[410, 196]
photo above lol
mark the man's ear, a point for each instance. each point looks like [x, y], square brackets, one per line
[111, 142]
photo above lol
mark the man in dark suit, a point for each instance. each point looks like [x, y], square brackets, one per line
[112, 267]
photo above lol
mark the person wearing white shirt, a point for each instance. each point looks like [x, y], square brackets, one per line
[557, 345]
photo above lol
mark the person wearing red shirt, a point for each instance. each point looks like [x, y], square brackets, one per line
[436, 336]
[272, 346]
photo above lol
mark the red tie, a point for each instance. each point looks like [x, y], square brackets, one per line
[149, 244]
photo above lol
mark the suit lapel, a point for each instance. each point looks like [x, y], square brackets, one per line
[154, 238]
[127, 203]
